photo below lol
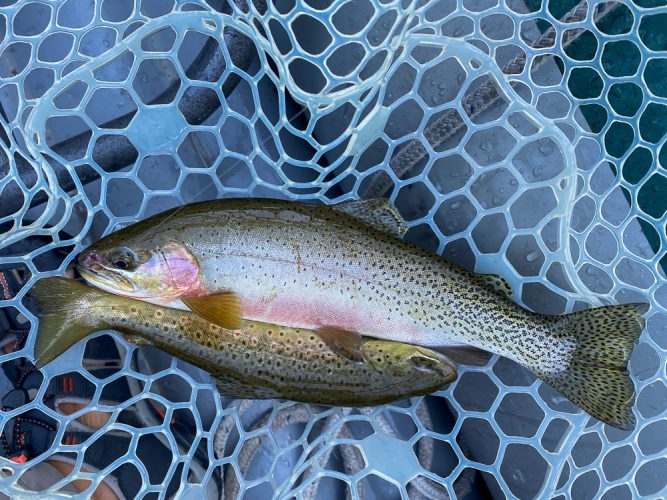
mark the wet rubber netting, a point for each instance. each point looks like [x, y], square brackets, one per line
[523, 138]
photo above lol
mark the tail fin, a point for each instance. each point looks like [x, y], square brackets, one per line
[62, 319]
[597, 379]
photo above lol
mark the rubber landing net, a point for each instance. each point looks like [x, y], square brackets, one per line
[524, 138]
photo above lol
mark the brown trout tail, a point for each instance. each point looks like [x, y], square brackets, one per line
[597, 379]
[63, 317]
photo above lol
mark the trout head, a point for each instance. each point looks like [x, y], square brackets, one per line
[420, 365]
[148, 269]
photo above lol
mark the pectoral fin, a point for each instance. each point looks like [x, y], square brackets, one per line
[343, 342]
[222, 308]
[465, 355]
[378, 213]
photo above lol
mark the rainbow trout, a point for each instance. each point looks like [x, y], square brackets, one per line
[345, 272]
[257, 360]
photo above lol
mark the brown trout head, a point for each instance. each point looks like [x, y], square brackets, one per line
[407, 359]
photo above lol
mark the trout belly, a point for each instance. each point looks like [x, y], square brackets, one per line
[294, 292]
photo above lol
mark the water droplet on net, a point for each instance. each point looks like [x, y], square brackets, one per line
[545, 148]
[533, 256]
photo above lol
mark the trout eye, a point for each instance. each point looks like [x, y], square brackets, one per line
[123, 258]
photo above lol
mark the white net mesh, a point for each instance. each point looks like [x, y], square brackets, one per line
[520, 138]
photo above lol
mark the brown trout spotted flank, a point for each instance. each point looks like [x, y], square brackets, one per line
[257, 361]
[344, 271]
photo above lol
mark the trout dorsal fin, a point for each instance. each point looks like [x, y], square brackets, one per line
[378, 213]
[221, 308]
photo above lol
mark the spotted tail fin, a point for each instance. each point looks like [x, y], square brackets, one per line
[597, 379]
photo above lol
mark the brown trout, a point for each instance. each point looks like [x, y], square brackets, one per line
[257, 360]
[344, 271]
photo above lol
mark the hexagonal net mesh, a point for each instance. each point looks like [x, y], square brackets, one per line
[524, 138]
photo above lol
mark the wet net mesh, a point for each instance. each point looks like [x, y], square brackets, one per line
[524, 138]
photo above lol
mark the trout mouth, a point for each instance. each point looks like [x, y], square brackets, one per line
[433, 363]
[106, 279]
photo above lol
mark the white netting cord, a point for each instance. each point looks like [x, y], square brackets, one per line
[352, 460]
[277, 33]
[39, 119]
[468, 119]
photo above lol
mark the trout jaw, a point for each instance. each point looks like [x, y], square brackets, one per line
[91, 266]
[419, 364]
[432, 362]
[117, 283]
